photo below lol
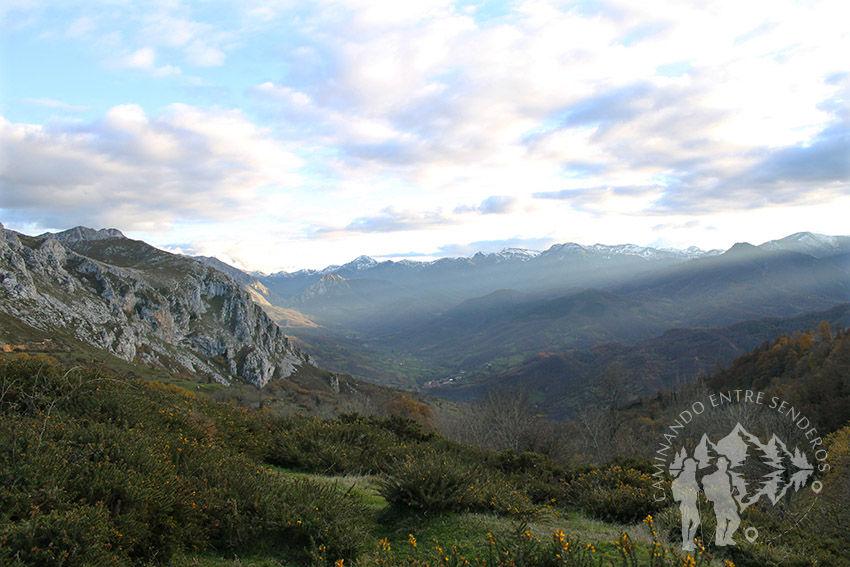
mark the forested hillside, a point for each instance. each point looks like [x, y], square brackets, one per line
[811, 370]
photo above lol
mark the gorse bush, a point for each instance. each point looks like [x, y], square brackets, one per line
[540, 477]
[82, 535]
[137, 472]
[436, 480]
[432, 483]
[351, 444]
[614, 494]
[330, 447]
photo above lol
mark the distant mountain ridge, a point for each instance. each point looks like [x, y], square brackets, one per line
[561, 266]
[495, 310]
[362, 265]
[814, 244]
[817, 245]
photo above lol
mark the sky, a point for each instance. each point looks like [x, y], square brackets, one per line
[279, 135]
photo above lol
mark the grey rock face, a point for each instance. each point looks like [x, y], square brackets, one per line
[141, 304]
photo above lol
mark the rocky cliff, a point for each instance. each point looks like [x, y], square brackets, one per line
[141, 304]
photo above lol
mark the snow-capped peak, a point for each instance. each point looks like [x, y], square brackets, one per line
[817, 245]
[517, 254]
[361, 263]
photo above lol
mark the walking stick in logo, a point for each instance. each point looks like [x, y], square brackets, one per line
[725, 486]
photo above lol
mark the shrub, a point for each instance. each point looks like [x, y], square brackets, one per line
[431, 484]
[437, 482]
[345, 446]
[82, 536]
[539, 475]
[614, 494]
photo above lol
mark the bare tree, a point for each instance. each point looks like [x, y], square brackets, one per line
[601, 419]
[503, 419]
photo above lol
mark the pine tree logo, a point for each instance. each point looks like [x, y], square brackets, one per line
[734, 473]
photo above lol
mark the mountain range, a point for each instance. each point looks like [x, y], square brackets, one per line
[414, 322]
[550, 320]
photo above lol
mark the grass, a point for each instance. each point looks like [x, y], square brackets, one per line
[396, 526]
[365, 487]
[467, 531]
[206, 560]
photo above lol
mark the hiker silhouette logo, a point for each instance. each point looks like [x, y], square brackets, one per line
[723, 472]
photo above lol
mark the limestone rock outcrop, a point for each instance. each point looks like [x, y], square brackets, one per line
[141, 304]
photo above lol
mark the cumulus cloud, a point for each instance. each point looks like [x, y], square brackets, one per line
[140, 172]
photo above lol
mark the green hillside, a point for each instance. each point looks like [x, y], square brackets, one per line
[103, 470]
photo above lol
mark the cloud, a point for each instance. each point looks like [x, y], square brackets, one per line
[445, 96]
[677, 225]
[724, 179]
[201, 42]
[490, 246]
[494, 205]
[57, 104]
[391, 219]
[158, 37]
[817, 172]
[145, 59]
[630, 198]
[140, 172]
[613, 109]
[81, 27]
[826, 160]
